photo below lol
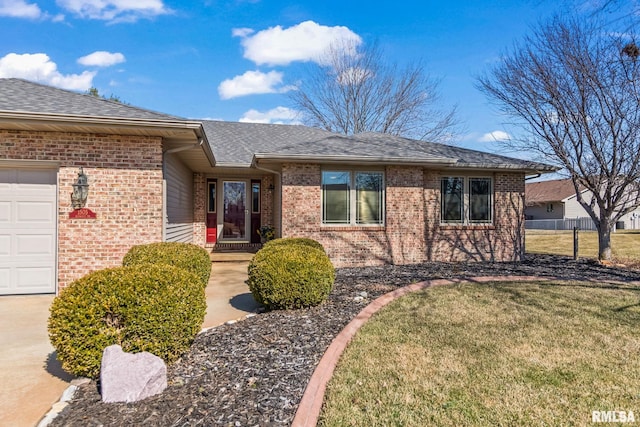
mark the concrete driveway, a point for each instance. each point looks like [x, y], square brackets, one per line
[31, 379]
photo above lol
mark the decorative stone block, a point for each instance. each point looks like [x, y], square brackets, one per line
[129, 377]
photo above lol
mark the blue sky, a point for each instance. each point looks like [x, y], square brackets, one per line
[236, 59]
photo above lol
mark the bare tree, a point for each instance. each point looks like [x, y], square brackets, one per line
[353, 90]
[573, 88]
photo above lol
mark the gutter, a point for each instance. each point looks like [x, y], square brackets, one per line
[352, 159]
[96, 120]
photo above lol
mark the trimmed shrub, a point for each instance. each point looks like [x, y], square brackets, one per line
[289, 276]
[154, 308]
[294, 241]
[183, 255]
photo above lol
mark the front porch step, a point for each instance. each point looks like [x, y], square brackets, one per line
[231, 256]
[237, 247]
[234, 252]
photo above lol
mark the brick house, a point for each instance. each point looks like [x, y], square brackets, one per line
[369, 198]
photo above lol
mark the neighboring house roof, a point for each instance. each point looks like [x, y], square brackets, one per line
[24, 96]
[555, 190]
[242, 144]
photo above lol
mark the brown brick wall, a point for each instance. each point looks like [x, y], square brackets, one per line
[125, 178]
[200, 209]
[400, 241]
[412, 232]
[501, 241]
[266, 204]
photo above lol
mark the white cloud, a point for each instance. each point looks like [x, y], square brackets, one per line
[19, 9]
[252, 83]
[39, 67]
[115, 10]
[280, 115]
[241, 32]
[495, 136]
[307, 41]
[101, 59]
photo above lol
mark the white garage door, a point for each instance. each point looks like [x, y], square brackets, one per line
[27, 231]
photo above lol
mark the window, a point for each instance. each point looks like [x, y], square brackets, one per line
[255, 197]
[212, 197]
[452, 192]
[480, 200]
[549, 207]
[466, 200]
[352, 197]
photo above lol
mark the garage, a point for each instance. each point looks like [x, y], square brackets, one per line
[28, 224]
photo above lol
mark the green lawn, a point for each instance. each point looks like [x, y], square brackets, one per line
[625, 244]
[493, 354]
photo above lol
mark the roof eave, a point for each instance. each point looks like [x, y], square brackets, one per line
[233, 165]
[342, 159]
[528, 169]
[98, 120]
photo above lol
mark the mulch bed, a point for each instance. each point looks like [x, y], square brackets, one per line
[254, 372]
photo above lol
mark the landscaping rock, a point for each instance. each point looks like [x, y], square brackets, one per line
[127, 377]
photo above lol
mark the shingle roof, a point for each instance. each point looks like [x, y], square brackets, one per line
[237, 143]
[548, 191]
[24, 96]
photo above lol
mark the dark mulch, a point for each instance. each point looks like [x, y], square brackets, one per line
[254, 372]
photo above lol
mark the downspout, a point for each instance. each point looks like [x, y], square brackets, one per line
[165, 219]
[279, 174]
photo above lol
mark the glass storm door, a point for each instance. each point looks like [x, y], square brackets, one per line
[235, 210]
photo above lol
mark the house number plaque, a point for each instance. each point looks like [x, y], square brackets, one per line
[82, 213]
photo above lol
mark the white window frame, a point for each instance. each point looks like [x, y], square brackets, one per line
[466, 199]
[353, 199]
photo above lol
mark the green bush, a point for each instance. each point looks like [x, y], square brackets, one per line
[295, 241]
[290, 276]
[154, 308]
[183, 255]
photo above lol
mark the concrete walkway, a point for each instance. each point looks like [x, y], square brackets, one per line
[31, 379]
[228, 296]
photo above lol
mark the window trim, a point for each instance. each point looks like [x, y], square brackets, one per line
[466, 201]
[353, 201]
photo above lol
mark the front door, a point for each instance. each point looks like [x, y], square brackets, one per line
[235, 211]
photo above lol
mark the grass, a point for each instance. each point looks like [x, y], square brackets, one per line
[499, 354]
[625, 244]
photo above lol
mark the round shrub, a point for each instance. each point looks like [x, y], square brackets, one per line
[154, 308]
[290, 276]
[183, 255]
[295, 241]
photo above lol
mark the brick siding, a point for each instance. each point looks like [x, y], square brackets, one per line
[200, 209]
[412, 232]
[125, 192]
[266, 204]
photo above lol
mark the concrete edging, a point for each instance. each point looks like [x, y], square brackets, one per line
[311, 403]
